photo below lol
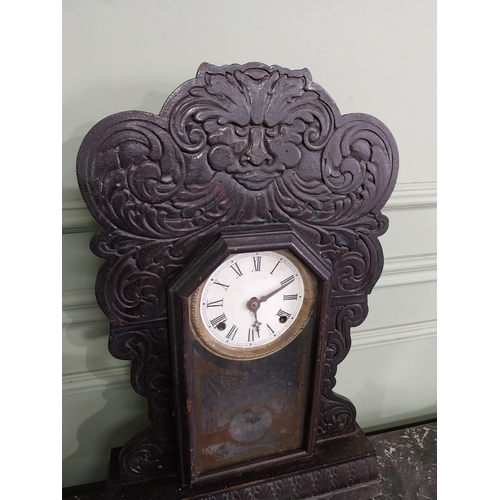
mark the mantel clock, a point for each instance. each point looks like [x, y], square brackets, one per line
[240, 234]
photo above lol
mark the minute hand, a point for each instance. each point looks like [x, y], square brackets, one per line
[265, 297]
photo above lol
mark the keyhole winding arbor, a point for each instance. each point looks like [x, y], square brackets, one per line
[252, 162]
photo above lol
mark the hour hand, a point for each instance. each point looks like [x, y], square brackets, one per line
[253, 305]
[256, 325]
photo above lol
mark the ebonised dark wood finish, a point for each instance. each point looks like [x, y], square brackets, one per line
[239, 148]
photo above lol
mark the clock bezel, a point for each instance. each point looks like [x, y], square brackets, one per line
[201, 266]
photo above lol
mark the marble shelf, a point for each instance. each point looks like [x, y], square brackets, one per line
[407, 461]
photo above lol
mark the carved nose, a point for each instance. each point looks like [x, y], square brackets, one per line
[257, 153]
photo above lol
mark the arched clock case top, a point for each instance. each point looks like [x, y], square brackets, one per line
[255, 154]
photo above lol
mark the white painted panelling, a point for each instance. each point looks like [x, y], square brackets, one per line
[85, 347]
[93, 423]
[80, 306]
[76, 218]
[366, 338]
[411, 232]
[408, 270]
[401, 305]
[412, 195]
[393, 381]
[76, 382]
[374, 57]
[79, 265]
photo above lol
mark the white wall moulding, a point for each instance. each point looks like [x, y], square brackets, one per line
[413, 195]
[98, 380]
[408, 270]
[392, 334]
[77, 219]
[74, 383]
[80, 307]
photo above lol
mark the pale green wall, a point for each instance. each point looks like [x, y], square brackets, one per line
[376, 57]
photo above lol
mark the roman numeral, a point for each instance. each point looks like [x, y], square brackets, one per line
[251, 335]
[232, 332]
[283, 313]
[236, 269]
[221, 284]
[288, 280]
[269, 328]
[219, 319]
[289, 297]
[256, 263]
[215, 303]
[277, 264]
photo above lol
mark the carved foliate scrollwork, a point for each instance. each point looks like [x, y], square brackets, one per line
[237, 145]
[150, 453]
[337, 414]
[253, 132]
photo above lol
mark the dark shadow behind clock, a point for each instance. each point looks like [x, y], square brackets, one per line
[245, 150]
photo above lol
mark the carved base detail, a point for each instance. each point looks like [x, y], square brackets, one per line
[328, 474]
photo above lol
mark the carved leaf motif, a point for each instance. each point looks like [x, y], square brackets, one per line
[323, 480]
[267, 491]
[305, 485]
[301, 486]
[286, 489]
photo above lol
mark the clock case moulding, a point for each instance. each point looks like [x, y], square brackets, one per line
[242, 157]
[305, 381]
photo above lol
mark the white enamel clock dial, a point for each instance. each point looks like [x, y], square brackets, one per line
[253, 304]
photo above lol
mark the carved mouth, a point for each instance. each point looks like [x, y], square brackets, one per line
[255, 181]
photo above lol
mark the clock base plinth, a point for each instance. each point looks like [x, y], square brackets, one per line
[343, 468]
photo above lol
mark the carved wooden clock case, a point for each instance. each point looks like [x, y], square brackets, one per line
[240, 235]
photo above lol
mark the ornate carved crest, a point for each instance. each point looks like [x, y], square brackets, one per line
[237, 145]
